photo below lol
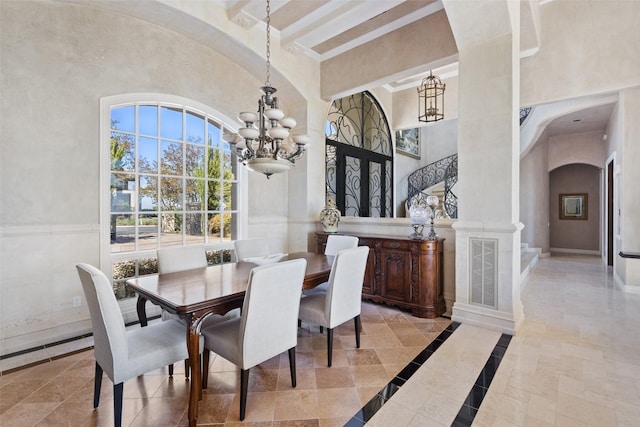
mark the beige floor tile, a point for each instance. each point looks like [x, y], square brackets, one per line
[574, 362]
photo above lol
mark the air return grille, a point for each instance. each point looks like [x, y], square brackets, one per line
[484, 272]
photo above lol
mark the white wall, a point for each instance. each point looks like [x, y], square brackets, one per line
[587, 48]
[58, 60]
[534, 198]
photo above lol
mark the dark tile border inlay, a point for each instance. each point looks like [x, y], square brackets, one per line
[371, 407]
[472, 403]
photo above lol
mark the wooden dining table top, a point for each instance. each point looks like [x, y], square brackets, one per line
[190, 291]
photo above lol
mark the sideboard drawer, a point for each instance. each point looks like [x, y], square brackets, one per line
[396, 244]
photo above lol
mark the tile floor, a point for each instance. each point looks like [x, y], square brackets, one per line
[574, 362]
[59, 392]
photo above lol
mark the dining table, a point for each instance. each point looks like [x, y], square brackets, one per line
[196, 294]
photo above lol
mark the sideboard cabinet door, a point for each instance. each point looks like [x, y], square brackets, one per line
[395, 277]
[402, 272]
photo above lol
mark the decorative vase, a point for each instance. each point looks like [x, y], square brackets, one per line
[330, 217]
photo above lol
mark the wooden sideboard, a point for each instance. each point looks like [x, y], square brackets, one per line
[403, 272]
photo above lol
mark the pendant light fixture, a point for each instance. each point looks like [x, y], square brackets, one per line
[267, 148]
[431, 99]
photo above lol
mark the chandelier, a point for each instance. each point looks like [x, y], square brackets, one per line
[431, 99]
[267, 148]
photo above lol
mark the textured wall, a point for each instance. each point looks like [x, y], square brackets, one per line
[534, 198]
[57, 61]
[580, 235]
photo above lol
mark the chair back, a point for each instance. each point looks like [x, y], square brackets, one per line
[269, 323]
[336, 243]
[248, 248]
[344, 294]
[179, 258]
[109, 333]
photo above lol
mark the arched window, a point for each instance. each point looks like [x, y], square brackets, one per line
[359, 157]
[170, 181]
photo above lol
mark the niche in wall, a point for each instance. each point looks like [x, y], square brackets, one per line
[583, 235]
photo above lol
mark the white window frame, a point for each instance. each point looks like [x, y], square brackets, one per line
[106, 104]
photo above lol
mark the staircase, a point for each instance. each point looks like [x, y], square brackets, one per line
[425, 180]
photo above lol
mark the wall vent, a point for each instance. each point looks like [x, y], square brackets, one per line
[484, 272]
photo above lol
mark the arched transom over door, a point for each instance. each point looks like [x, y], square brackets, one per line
[359, 157]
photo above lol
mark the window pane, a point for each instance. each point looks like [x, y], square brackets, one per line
[147, 266]
[122, 195]
[194, 161]
[170, 194]
[195, 128]
[195, 194]
[148, 193]
[213, 195]
[217, 230]
[171, 229]
[124, 269]
[227, 196]
[219, 257]
[331, 172]
[228, 163]
[123, 118]
[213, 131]
[122, 233]
[230, 231]
[375, 189]
[352, 187]
[148, 155]
[171, 123]
[171, 158]
[148, 120]
[214, 163]
[123, 152]
[194, 227]
[147, 231]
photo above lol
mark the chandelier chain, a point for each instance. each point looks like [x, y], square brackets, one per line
[268, 81]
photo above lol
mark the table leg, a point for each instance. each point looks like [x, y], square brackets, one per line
[193, 345]
[142, 311]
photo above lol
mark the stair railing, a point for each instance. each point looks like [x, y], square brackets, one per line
[450, 199]
[430, 175]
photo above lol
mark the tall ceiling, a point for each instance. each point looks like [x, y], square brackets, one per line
[325, 28]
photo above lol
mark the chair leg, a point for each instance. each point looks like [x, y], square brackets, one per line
[187, 368]
[205, 368]
[117, 404]
[292, 366]
[171, 370]
[97, 384]
[244, 385]
[321, 329]
[329, 345]
[356, 320]
[299, 323]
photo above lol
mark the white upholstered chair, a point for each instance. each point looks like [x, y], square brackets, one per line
[180, 258]
[123, 354]
[267, 327]
[343, 299]
[248, 248]
[335, 243]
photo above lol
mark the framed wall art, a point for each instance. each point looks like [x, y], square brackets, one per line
[408, 142]
[574, 206]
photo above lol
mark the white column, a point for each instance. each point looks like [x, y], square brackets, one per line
[488, 281]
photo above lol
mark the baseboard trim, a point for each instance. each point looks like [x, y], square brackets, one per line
[575, 251]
